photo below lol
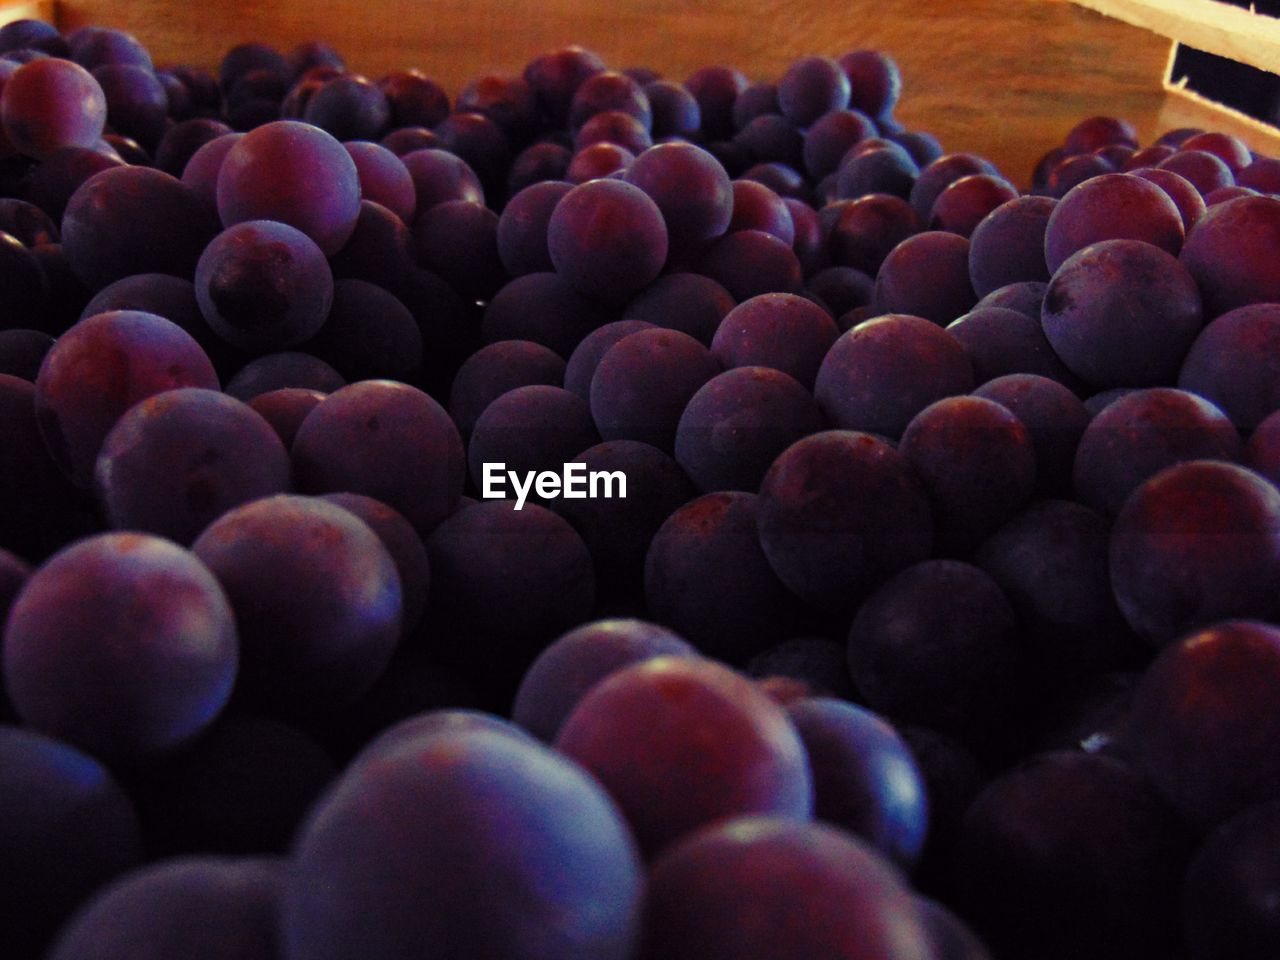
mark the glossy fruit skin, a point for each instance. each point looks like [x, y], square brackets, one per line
[264, 286]
[702, 744]
[525, 854]
[52, 103]
[1229, 250]
[259, 181]
[765, 888]
[177, 461]
[576, 661]
[865, 777]
[608, 239]
[1231, 363]
[1202, 717]
[123, 644]
[1129, 278]
[1113, 206]
[317, 598]
[1197, 543]
[872, 378]
[1139, 435]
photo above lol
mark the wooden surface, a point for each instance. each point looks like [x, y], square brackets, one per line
[1229, 31]
[1003, 78]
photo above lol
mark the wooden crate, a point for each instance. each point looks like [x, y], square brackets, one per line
[1003, 78]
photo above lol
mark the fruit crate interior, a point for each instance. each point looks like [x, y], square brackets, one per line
[998, 78]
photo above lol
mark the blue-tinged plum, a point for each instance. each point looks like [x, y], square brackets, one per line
[496, 369]
[675, 111]
[415, 99]
[599, 161]
[51, 103]
[99, 369]
[122, 644]
[67, 828]
[530, 430]
[608, 239]
[966, 202]
[285, 409]
[882, 169]
[865, 778]
[201, 908]
[783, 331]
[927, 275]
[830, 137]
[643, 383]
[748, 263]
[525, 855]
[280, 371]
[688, 302]
[1025, 296]
[260, 180]
[864, 231]
[177, 461]
[440, 176]
[522, 227]
[1206, 171]
[317, 600]
[264, 286]
[940, 174]
[1002, 341]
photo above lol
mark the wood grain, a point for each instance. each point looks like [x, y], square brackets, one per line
[1229, 31]
[1003, 78]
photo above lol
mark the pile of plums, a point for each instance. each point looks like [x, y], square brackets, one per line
[940, 619]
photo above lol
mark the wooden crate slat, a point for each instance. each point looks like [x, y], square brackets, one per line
[1221, 28]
